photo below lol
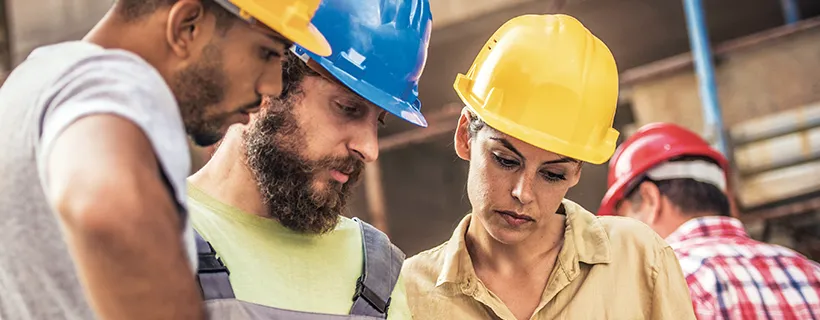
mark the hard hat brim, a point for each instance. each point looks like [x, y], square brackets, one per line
[384, 100]
[308, 36]
[597, 155]
[310, 39]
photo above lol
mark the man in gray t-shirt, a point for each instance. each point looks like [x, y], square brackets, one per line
[94, 151]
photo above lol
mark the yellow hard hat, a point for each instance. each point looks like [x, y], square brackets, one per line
[546, 80]
[290, 18]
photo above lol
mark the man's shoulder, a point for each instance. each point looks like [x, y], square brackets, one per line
[59, 72]
[82, 69]
[67, 59]
[76, 51]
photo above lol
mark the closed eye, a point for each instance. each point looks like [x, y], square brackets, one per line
[504, 162]
[268, 54]
[352, 112]
[553, 177]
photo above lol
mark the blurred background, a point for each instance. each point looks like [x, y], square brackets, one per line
[751, 87]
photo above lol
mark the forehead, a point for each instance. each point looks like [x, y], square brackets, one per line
[335, 89]
[270, 33]
[244, 30]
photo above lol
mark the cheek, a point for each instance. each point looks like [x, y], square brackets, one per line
[548, 197]
[485, 184]
[322, 136]
[241, 73]
[242, 77]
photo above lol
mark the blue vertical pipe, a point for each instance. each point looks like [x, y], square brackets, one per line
[791, 12]
[699, 40]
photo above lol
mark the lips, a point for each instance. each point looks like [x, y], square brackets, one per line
[252, 107]
[517, 216]
[339, 176]
[245, 118]
[345, 170]
[514, 219]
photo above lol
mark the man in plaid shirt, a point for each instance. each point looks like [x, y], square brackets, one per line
[669, 178]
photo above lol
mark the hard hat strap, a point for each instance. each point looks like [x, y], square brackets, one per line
[702, 171]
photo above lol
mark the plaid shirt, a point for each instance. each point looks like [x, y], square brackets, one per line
[732, 276]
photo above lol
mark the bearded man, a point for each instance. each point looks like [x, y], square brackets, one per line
[269, 203]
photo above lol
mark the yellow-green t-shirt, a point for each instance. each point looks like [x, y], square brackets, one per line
[274, 266]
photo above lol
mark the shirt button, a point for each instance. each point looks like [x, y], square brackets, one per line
[467, 286]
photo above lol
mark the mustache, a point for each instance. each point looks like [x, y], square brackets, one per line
[253, 105]
[348, 165]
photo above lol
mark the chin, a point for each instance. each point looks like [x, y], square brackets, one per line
[320, 186]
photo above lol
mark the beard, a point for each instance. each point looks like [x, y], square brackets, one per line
[286, 179]
[199, 88]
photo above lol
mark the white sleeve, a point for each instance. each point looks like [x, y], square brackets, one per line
[119, 83]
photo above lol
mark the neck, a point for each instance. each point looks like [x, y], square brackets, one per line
[675, 218]
[227, 178]
[522, 258]
[139, 37]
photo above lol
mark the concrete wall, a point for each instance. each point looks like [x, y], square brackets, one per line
[773, 76]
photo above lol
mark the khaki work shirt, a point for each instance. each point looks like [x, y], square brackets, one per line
[608, 268]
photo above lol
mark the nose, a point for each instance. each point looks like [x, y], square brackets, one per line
[365, 144]
[522, 191]
[270, 82]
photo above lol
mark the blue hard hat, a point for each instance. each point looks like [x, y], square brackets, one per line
[379, 50]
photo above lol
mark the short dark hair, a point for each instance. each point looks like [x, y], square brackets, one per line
[132, 10]
[689, 195]
[294, 70]
[475, 124]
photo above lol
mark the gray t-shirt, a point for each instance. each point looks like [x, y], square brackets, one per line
[52, 88]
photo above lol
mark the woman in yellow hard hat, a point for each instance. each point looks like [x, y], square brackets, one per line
[540, 100]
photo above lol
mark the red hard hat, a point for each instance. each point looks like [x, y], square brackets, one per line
[651, 145]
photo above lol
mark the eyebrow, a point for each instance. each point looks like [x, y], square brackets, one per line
[353, 98]
[509, 146]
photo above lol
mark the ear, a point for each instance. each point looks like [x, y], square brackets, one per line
[462, 136]
[651, 203]
[186, 22]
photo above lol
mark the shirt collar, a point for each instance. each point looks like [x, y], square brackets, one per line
[584, 241]
[709, 226]
[457, 265]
